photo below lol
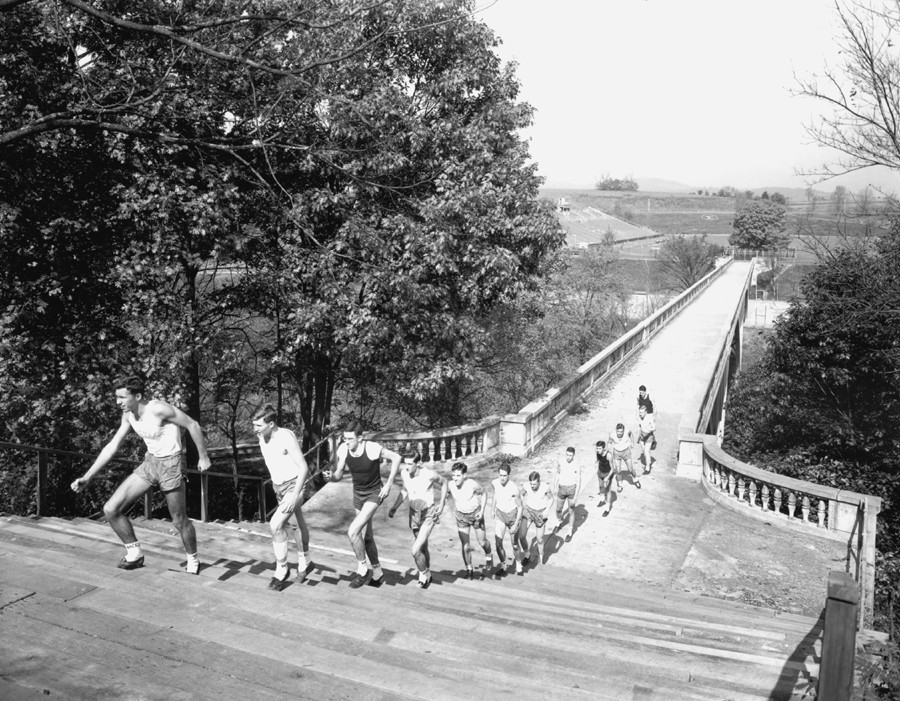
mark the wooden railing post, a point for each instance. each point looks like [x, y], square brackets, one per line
[147, 509]
[839, 638]
[263, 511]
[43, 459]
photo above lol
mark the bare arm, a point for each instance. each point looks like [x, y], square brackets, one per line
[106, 454]
[443, 481]
[520, 509]
[400, 497]
[482, 499]
[174, 415]
[395, 465]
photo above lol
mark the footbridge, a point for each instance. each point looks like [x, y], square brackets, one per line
[708, 582]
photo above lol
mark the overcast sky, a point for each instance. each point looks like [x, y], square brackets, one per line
[695, 91]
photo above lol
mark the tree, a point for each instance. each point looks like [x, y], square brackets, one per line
[618, 184]
[778, 198]
[839, 200]
[759, 225]
[862, 94]
[686, 259]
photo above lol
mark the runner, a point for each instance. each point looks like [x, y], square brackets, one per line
[469, 502]
[507, 501]
[363, 459]
[622, 448]
[644, 400]
[568, 484]
[159, 424]
[604, 477]
[538, 503]
[418, 485]
[646, 437]
[288, 469]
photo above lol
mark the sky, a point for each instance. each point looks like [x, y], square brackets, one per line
[693, 91]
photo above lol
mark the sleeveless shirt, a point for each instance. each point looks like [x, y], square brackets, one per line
[281, 466]
[365, 469]
[162, 441]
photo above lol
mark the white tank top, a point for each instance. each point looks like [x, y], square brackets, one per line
[281, 465]
[420, 489]
[568, 472]
[505, 497]
[162, 441]
[465, 497]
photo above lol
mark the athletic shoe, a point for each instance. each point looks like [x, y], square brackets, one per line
[569, 538]
[638, 484]
[605, 513]
[519, 569]
[501, 571]
[130, 564]
[358, 580]
[376, 582]
[276, 584]
[423, 584]
[525, 561]
[192, 569]
[303, 574]
[470, 574]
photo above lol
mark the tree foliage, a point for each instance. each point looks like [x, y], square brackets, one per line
[759, 225]
[686, 259]
[606, 182]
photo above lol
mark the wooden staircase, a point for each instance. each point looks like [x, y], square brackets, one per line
[72, 626]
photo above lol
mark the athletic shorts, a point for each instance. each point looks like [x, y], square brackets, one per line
[622, 454]
[535, 516]
[648, 437]
[372, 494]
[419, 514]
[284, 488]
[565, 491]
[507, 518]
[464, 520]
[164, 473]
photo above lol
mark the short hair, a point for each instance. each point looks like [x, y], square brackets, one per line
[412, 455]
[642, 388]
[618, 426]
[132, 383]
[570, 449]
[600, 444]
[461, 466]
[267, 413]
[535, 475]
[354, 427]
[505, 466]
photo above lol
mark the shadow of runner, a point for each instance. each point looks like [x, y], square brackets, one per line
[795, 667]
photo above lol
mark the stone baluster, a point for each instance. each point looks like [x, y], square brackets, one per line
[753, 493]
[731, 488]
[448, 448]
[792, 505]
[479, 441]
[740, 489]
[420, 446]
[805, 508]
[764, 499]
[777, 500]
[822, 508]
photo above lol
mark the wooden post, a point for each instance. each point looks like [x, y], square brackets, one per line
[263, 511]
[839, 638]
[204, 497]
[147, 510]
[41, 495]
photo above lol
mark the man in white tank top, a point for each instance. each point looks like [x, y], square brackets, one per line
[507, 516]
[159, 424]
[289, 471]
[469, 502]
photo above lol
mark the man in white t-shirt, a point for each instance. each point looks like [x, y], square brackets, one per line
[568, 484]
[289, 472]
[469, 502]
[507, 516]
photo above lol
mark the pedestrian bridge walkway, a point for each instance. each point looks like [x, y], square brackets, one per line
[651, 602]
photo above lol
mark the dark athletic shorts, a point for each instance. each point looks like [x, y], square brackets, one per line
[164, 473]
[464, 520]
[645, 437]
[371, 494]
[536, 516]
[507, 518]
[565, 491]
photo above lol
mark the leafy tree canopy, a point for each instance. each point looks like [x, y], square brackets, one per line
[759, 225]
[686, 259]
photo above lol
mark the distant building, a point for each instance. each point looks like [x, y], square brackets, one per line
[562, 205]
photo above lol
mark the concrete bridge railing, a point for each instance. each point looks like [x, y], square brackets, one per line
[520, 433]
[808, 508]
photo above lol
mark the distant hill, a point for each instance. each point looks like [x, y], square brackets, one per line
[660, 185]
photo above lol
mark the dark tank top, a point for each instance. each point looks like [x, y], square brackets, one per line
[365, 472]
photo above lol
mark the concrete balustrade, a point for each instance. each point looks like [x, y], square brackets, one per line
[473, 443]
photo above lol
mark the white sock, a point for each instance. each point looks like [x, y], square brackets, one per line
[424, 576]
[376, 572]
[281, 550]
[133, 551]
[193, 563]
[303, 560]
[362, 567]
[281, 569]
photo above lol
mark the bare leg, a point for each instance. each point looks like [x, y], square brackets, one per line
[486, 546]
[420, 547]
[175, 499]
[360, 524]
[464, 545]
[132, 489]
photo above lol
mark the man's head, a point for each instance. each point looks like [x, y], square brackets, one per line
[570, 454]
[534, 479]
[129, 392]
[620, 430]
[600, 447]
[352, 434]
[459, 470]
[412, 461]
[264, 421]
[503, 473]
[642, 391]
[642, 411]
